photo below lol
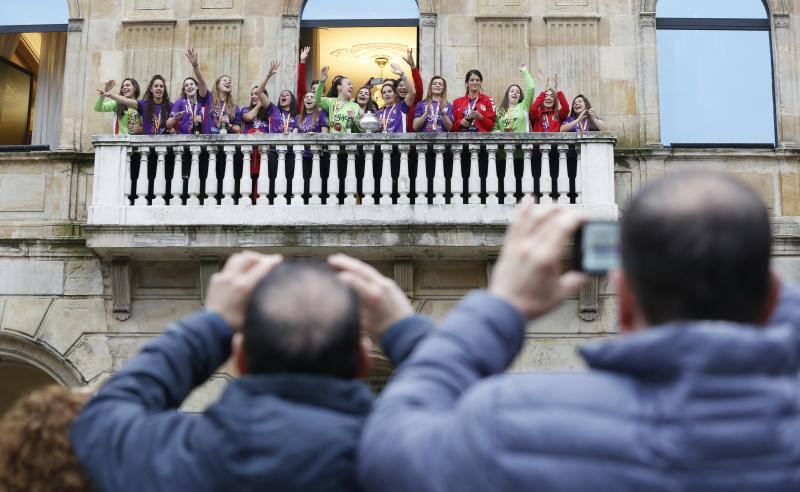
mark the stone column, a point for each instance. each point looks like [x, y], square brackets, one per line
[289, 50]
[648, 80]
[430, 56]
[785, 70]
[74, 84]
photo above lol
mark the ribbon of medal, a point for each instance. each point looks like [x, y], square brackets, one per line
[387, 112]
[285, 119]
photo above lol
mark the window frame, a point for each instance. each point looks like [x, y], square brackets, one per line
[727, 24]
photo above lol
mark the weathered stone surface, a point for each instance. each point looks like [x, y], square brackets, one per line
[790, 194]
[68, 319]
[83, 278]
[206, 394]
[24, 315]
[787, 268]
[25, 193]
[150, 316]
[564, 320]
[550, 354]
[31, 277]
[91, 356]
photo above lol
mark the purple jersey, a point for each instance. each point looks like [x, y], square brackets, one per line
[199, 108]
[258, 125]
[212, 124]
[583, 126]
[280, 121]
[152, 125]
[393, 118]
[434, 121]
[306, 124]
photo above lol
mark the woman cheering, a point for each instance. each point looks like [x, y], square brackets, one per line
[475, 111]
[512, 116]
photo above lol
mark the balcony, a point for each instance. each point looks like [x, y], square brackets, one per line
[388, 195]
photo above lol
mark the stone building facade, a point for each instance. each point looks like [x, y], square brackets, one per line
[78, 299]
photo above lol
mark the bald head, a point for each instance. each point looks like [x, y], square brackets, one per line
[302, 318]
[696, 245]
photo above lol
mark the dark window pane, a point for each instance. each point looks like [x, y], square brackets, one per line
[713, 9]
[715, 87]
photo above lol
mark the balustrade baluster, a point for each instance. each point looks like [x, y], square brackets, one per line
[333, 176]
[457, 179]
[176, 184]
[350, 182]
[127, 173]
[545, 182]
[386, 176]
[160, 179]
[142, 180]
[578, 182]
[563, 177]
[211, 178]
[474, 180]
[315, 184]
[509, 178]
[280, 178]
[228, 183]
[262, 184]
[527, 172]
[368, 183]
[246, 183]
[421, 182]
[403, 180]
[194, 176]
[439, 183]
[298, 183]
[492, 182]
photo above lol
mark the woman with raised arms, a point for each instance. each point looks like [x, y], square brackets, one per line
[401, 87]
[126, 120]
[342, 111]
[512, 115]
[154, 107]
[189, 112]
[582, 117]
[393, 114]
[549, 109]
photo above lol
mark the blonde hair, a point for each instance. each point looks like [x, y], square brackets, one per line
[217, 98]
[443, 97]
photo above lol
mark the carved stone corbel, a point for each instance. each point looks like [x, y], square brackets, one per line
[209, 265]
[587, 300]
[404, 275]
[121, 287]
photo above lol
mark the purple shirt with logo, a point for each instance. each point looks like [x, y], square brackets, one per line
[258, 125]
[304, 122]
[211, 125]
[198, 108]
[393, 118]
[434, 121]
[280, 121]
[152, 125]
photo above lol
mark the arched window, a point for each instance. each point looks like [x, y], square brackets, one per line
[715, 73]
[359, 38]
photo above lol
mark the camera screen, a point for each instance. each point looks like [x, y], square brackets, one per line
[600, 246]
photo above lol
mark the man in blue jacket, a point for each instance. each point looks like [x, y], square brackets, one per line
[696, 396]
[291, 422]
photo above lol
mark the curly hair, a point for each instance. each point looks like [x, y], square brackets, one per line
[35, 450]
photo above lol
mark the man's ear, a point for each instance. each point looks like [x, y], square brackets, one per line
[237, 349]
[364, 360]
[773, 296]
[626, 301]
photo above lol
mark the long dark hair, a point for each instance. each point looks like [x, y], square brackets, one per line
[334, 90]
[292, 102]
[505, 105]
[572, 114]
[165, 102]
[121, 108]
[301, 115]
[371, 106]
[472, 72]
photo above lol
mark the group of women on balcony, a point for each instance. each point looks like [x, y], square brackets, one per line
[204, 111]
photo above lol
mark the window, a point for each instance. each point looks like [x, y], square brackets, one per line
[715, 73]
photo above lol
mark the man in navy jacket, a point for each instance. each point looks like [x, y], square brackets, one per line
[697, 396]
[291, 422]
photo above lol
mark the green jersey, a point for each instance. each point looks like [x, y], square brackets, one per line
[337, 111]
[516, 118]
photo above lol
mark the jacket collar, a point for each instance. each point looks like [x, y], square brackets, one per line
[664, 352]
[341, 395]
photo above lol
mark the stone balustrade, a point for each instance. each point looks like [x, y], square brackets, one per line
[326, 179]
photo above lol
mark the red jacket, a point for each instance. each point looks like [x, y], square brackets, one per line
[417, 98]
[301, 83]
[484, 105]
[537, 114]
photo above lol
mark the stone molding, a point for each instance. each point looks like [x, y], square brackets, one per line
[121, 287]
[427, 20]
[22, 350]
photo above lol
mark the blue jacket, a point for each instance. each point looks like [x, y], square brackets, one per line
[288, 432]
[699, 407]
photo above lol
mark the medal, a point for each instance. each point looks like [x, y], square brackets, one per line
[387, 112]
[337, 126]
[285, 119]
[545, 122]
